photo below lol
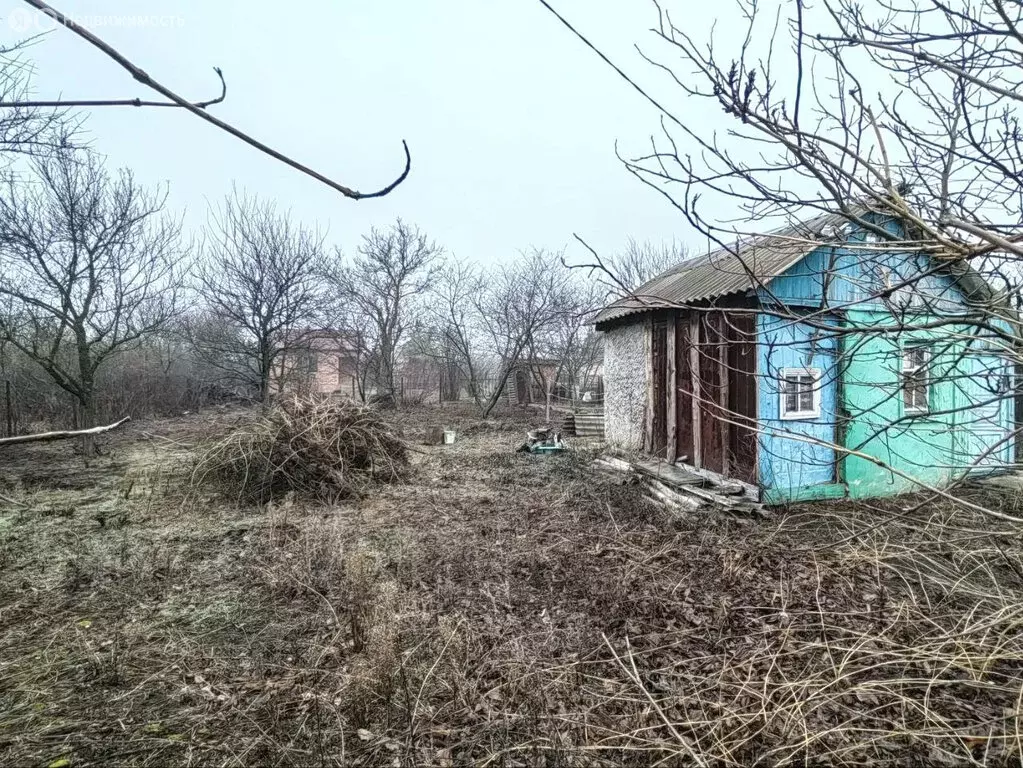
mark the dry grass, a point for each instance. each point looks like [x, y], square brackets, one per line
[312, 448]
[498, 609]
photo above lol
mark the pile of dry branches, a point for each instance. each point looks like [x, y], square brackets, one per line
[311, 448]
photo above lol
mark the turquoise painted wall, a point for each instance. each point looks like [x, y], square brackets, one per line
[796, 457]
[970, 410]
[971, 416]
[984, 432]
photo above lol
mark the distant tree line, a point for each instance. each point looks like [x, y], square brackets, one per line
[108, 308]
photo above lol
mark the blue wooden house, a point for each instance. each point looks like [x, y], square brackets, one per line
[823, 360]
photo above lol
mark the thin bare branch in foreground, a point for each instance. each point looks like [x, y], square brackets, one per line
[49, 104]
[143, 77]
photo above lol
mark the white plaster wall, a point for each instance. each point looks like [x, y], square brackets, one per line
[625, 384]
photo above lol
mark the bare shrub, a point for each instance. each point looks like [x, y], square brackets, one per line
[312, 448]
[873, 641]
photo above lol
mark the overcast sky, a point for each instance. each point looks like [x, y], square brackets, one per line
[511, 121]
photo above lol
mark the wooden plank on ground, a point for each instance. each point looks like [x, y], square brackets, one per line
[669, 473]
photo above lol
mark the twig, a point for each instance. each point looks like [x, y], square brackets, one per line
[633, 674]
[15, 502]
[117, 102]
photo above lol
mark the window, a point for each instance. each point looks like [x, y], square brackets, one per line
[881, 279]
[916, 382]
[800, 393]
[308, 362]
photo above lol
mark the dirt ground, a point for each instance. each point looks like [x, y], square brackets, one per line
[495, 608]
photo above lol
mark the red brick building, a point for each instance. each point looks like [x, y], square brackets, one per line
[324, 362]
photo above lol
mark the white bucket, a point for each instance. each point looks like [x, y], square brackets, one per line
[449, 436]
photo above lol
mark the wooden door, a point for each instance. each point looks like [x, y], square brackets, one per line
[657, 440]
[685, 354]
[713, 393]
[742, 396]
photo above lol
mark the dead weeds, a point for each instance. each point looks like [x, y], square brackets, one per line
[498, 609]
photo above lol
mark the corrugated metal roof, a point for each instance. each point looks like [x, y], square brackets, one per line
[739, 267]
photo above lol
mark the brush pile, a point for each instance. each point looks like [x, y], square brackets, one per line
[315, 449]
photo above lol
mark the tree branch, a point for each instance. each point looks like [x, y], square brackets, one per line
[117, 102]
[62, 435]
[142, 77]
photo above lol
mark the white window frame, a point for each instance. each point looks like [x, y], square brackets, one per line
[815, 411]
[905, 369]
[883, 278]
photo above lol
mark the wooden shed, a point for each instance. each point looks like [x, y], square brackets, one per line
[822, 360]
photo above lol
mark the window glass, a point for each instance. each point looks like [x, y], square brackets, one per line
[800, 394]
[915, 378]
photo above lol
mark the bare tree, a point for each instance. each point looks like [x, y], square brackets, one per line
[482, 322]
[452, 336]
[937, 146]
[517, 305]
[562, 342]
[87, 268]
[381, 290]
[639, 262]
[260, 281]
[25, 129]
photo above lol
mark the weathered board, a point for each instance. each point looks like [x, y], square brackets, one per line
[658, 384]
[712, 377]
[702, 397]
[742, 396]
[684, 390]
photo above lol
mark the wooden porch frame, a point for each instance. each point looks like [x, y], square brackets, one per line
[671, 387]
[699, 337]
[694, 377]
